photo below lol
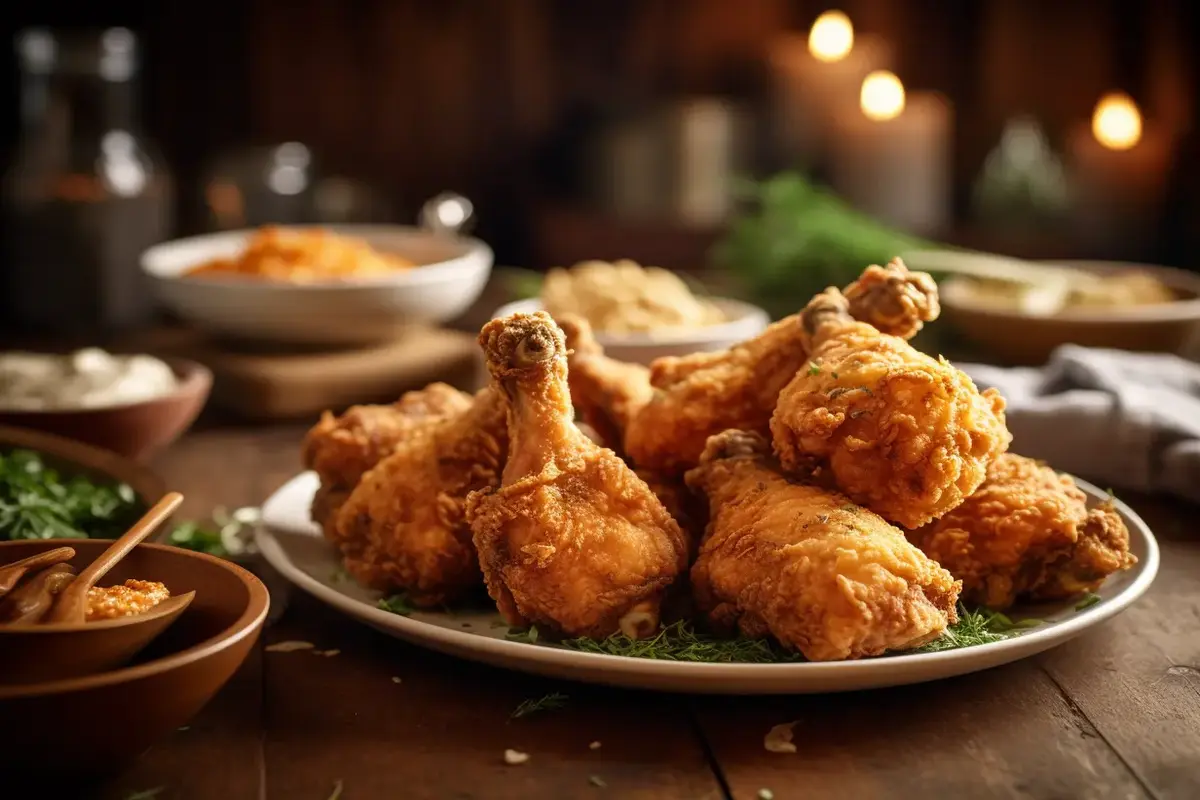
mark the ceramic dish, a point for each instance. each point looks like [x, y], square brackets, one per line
[1015, 337]
[295, 547]
[135, 430]
[745, 322]
[128, 709]
[452, 273]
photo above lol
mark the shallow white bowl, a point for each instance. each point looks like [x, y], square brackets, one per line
[452, 274]
[745, 322]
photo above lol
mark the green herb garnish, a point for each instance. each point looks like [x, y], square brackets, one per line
[37, 502]
[977, 627]
[226, 535]
[813, 369]
[680, 642]
[526, 635]
[1089, 600]
[535, 705]
[397, 604]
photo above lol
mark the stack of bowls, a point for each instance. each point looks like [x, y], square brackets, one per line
[47, 682]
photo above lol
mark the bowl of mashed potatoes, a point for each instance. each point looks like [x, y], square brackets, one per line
[642, 313]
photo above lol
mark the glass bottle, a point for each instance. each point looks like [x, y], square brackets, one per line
[84, 194]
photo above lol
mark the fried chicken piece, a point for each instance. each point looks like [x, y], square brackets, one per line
[340, 449]
[700, 395]
[894, 300]
[906, 435]
[404, 526]
[572, 541]
[805, 565]
[1026, 534]
[605, 393]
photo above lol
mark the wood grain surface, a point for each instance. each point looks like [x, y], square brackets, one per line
[1113, 714]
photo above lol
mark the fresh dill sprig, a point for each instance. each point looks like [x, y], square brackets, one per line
[534, 705]
[977, 627]
[680, 642]
[1089, 600]
[397, 604]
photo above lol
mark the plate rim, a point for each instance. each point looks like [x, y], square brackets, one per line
[418, 632]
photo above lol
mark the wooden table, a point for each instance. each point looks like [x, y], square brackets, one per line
[1113, 714]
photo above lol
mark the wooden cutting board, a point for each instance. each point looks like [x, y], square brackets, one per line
[266, 386]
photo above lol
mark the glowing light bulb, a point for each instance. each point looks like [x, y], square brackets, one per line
[1116, 122]
[832, 37]
[882, 96]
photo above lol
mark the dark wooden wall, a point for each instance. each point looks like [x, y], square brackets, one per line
[491, 97]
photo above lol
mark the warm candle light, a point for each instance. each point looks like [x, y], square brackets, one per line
[1116, 122]
[832, 37]
[882, 96]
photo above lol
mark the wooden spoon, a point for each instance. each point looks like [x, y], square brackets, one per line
[11, 573]
[35, 597]
[71, 606]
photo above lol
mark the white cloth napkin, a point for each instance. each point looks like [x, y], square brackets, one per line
[1118, 419]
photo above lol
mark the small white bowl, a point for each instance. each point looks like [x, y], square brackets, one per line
[745, 322]
[453, 271]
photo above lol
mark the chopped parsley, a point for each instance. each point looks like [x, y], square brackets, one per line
[813, 369]
[38, 502]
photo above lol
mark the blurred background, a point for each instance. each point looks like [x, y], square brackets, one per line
[622, 129]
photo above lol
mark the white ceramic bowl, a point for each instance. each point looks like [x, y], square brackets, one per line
[452, 274]
[745, 322]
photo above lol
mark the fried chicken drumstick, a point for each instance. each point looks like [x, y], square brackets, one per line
[1027, 534]
[404, 526]
[700, 395]
[805, 565]
[340, 449]
[572, 540]
[906, 435]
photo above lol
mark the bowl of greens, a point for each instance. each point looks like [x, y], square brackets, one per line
[55, 488]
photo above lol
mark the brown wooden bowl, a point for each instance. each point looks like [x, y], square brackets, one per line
[99, 723]
[77, 458]
[1014, 337]
[134, 430]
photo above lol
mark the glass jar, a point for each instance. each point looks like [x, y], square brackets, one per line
[84, 194]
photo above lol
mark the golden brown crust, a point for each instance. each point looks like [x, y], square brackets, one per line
[1026, 534]
[404, 528]
[340, 449]
[807, 566]
[572, 541]
[904, 434]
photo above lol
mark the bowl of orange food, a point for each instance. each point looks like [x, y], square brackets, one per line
[337, 285]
